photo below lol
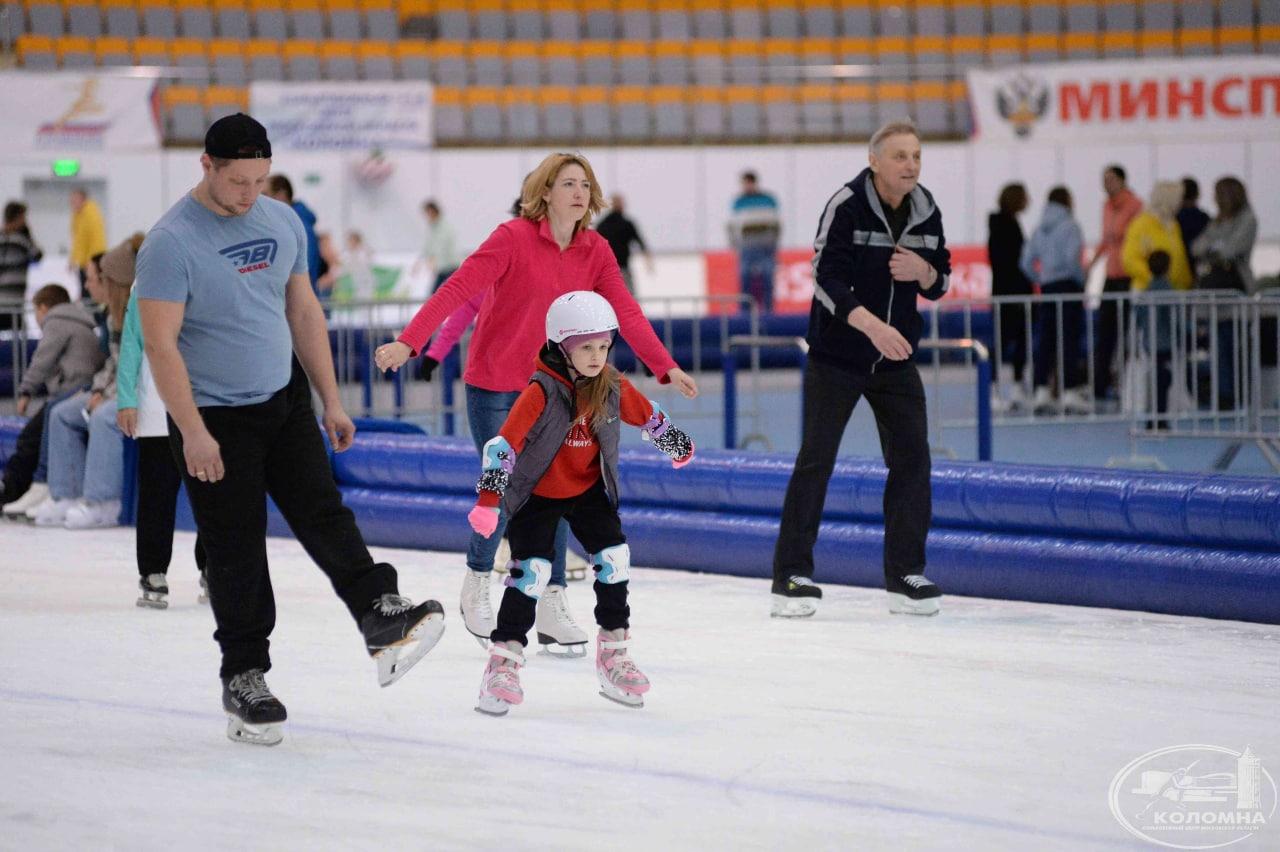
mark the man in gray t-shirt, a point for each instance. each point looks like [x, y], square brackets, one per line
[225, 302]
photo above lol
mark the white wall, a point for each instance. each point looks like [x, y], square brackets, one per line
[679, 196]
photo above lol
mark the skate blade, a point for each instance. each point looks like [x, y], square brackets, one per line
[152, 603]
[493, 707]
[547, 647]
[395, 661]
[785, 607]
[239, 731]
[635, 702]
[903, 605]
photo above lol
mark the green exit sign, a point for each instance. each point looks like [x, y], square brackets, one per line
[66, 168]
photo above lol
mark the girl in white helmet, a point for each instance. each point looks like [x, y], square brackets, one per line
[548, 250]
[556, 456]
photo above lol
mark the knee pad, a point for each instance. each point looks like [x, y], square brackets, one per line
[529, 576]
[613, 564]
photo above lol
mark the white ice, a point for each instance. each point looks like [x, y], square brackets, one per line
[994, 726]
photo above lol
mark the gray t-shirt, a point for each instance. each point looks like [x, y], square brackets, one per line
[231, 273]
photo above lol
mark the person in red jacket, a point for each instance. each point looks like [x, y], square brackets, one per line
[545, 252]
[555, 457]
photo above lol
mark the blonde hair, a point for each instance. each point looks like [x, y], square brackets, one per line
[1166, 198]
[593, 395]
[538, 182]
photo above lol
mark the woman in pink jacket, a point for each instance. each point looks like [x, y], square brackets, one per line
[523, 266]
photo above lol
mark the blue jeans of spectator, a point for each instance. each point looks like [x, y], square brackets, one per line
[86, 458]
[486, 412]
[42, 466]
[755, 268]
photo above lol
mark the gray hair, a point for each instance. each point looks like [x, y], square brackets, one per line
[901, 127]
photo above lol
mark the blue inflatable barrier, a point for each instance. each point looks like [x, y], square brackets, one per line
[1087, 503]
[1170, 543]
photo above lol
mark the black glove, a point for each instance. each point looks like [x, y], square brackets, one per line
[427, 367]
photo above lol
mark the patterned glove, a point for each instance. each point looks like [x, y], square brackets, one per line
[670, 439]
[498, 459]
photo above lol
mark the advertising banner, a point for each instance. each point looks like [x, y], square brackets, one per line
[359, 117]
[793, 278]
[1225, 97]
[67, 112]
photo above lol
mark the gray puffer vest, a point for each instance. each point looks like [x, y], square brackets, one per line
[547, 435]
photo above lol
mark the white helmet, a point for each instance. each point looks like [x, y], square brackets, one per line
[577, 313]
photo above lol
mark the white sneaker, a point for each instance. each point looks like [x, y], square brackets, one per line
[51, 513]
[36, 494]
[1042, 402]
[1076, 402]
[558, 634]
[998, 404]
[92, 514]
[477, 612]
[1017, 399]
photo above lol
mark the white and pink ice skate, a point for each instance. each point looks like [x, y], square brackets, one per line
[620, 679]
[500, 686]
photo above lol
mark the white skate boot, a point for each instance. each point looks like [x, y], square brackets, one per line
[477, 612]
[203, 597]
[155, 591]
[619, 678]
[502, 557]
[500, 686]
[558, 634]
[17, 510]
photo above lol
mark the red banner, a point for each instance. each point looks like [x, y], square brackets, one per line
[793, 278]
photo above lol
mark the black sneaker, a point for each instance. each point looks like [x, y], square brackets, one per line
[254, 715]
[795, 597]
[398, 634]
[914, 594]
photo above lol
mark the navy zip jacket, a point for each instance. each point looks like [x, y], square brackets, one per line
[851, 269]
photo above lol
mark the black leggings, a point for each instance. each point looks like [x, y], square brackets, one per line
[158, 483]
[532, 533]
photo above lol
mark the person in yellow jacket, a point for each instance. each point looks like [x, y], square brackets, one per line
[1156, 229]
[88, 233]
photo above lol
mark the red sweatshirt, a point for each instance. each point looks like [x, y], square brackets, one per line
[577, 466]
[526, 271]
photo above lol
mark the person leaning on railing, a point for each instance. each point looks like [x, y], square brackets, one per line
[1223, 254]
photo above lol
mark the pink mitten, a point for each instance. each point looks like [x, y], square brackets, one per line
[483, 519]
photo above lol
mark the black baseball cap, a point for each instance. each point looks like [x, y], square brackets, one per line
[237, 137]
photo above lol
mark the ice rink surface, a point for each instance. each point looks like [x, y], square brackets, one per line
[994, 726]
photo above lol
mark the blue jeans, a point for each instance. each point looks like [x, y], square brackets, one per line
[755, 269]
[42, 466]
[86, 459]
[486, 412]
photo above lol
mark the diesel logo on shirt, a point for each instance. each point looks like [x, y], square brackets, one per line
[251, 256]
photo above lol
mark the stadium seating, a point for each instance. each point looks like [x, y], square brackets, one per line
[632, 70]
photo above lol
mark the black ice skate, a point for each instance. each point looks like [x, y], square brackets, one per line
[914, 594]
[254, 715]
[795, 597]
[398, 634]
[155, 591]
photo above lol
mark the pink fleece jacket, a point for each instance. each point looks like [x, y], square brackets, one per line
[518, 272]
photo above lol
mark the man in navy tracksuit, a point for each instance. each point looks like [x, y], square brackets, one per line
[879, 246]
